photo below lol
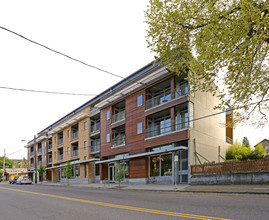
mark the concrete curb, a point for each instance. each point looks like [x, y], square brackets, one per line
[162, 190]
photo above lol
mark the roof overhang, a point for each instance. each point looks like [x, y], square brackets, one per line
[134, 86]
[37, 140]
[143, 154]
[68, 123]
[72, 163]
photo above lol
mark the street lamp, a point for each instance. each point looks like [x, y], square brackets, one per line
[34, 157]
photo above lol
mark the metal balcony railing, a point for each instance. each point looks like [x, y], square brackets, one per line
[50, 148]
[50, 160]
[60, 157]
[158, 100]
[39, 151]
[156, 130]
[167, 96]
[94, 111]
[32, 154]
[74, 153]
[118, 141]
[60, 142]
[95, 148]
[119, 116]
[32, 165]
[74, 135]
[39, 163]
[95, 128]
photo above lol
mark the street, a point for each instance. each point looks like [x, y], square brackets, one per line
[60, 202]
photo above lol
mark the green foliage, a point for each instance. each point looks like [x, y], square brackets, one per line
[1, 173]
[23, 163]
[8, 163]
[221, 42]
[259, 152]
[119, 175]
[241, 152]
[68, 170]
[41, 170]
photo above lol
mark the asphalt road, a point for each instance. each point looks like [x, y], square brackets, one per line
[27, 202]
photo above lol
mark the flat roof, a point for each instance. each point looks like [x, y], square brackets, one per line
[106, 92]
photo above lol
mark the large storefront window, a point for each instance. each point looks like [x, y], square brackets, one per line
[97, 170]
[161, 165]
[77, 170]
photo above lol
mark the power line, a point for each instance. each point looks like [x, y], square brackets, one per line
[40, 91]
[65, 55]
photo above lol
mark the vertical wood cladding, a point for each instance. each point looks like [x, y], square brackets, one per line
[136, 143]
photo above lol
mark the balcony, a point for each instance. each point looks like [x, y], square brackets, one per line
[167, 95]
[39, 151]
[50, 160]
[74, 153]
[60, 142]
[32, 154]
[118, 141]
[95, 148]
[31, 165]
[162, 129]
[94, 111]
[95, 128]
[60, 157]
[39, 163]
[118, 117]
[50, 148]
[74, 136]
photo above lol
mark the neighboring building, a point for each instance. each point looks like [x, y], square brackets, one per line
[148, 122]
[11, 172]
[265, 144]
[37, 155]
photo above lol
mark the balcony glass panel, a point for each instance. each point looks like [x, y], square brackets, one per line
[158, 98]
[59, 142]
[60, 157]
[74, 135]
[74, 153]
[118, 140]
[119, 116]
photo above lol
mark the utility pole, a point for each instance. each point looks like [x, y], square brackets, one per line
[35, 159]
[4, 161]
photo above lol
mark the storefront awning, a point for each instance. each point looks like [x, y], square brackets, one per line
[77, 162]
[143, 154]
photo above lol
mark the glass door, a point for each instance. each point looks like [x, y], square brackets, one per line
[111, 173]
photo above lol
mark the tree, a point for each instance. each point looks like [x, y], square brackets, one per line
[41, 170]
[23, 163]
[119, 175]
[68, 171]
[246, 142]
[8, 163]
[239, 152]
[221, 42]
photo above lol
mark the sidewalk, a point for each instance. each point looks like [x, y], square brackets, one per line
[231, 189]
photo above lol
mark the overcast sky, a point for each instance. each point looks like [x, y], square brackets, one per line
[107, 34]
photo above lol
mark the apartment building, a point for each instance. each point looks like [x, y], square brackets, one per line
[37, 154]
[148, 122]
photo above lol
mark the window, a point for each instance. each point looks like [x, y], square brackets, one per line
[139, 100]
[161, 165]
[139, 128]
[55, 139]
[85, 157]
[68, 133]
[85, 145]
[85, 125]
[68, 150]
[108, 138]
[108, 115]
[97, 170]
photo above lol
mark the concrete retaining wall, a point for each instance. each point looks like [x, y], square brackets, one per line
[234, 178]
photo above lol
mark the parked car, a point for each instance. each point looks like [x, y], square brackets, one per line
[13, 180]
[24, 180]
